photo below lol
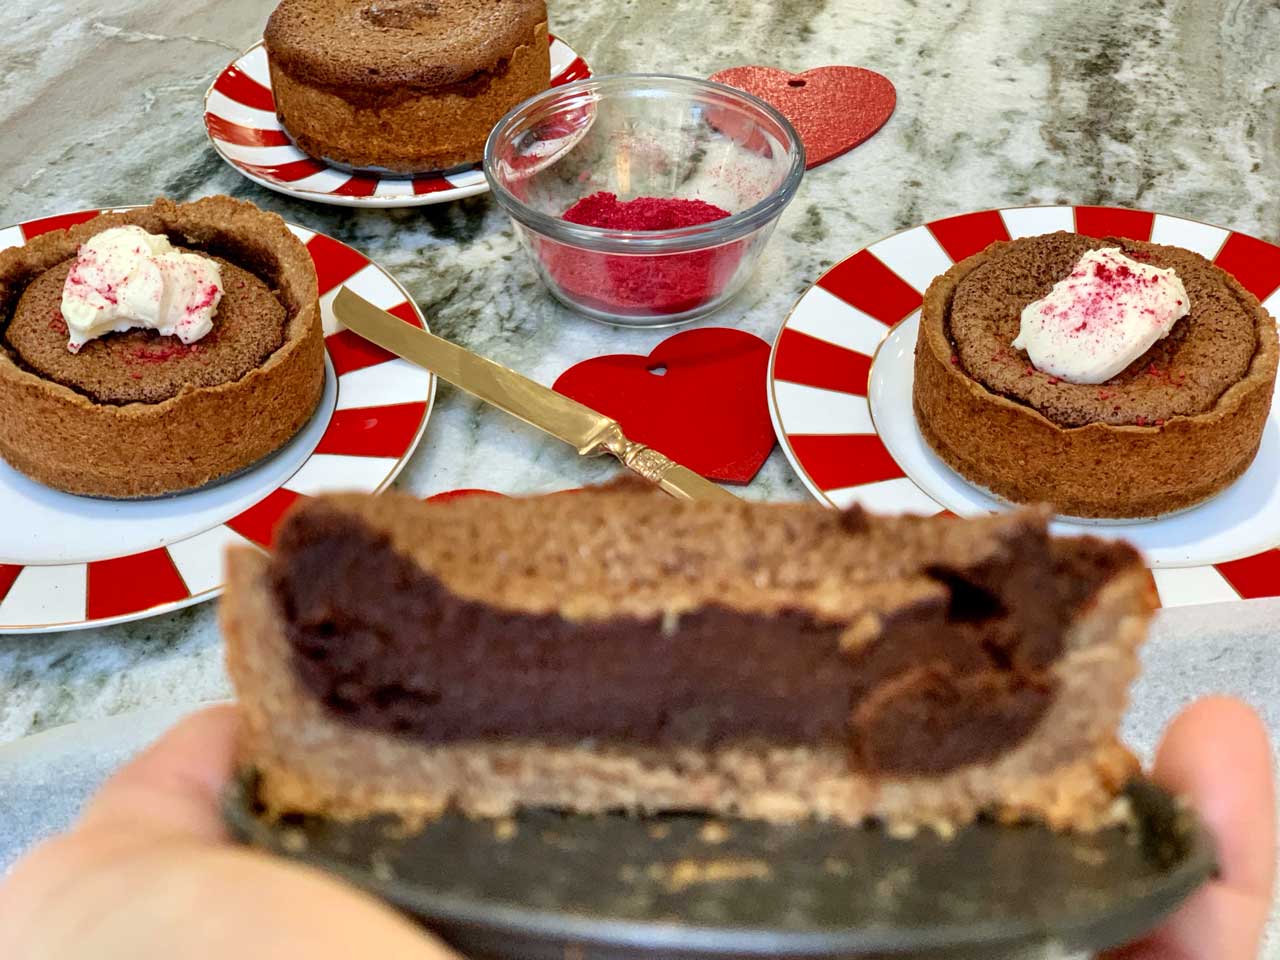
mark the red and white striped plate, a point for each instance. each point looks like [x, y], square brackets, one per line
[68, 562]
[240, 116]
[840, 394]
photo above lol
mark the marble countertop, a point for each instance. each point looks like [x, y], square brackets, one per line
[1040, 102]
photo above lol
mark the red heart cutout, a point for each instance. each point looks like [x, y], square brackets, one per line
[464, 492]
[699, 397]
[832, 108]
[467, 492]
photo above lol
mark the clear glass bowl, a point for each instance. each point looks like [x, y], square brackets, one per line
[644, 135]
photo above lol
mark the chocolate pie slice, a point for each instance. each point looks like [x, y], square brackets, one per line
[1179, 424]
[618, 650]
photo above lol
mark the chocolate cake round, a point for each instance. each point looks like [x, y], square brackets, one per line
[408, 86]
[1176, 426]
[140, 366]
[136, 414]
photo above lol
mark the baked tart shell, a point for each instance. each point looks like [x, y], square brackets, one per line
[1097, 470]
[63, 439]
[361, 93]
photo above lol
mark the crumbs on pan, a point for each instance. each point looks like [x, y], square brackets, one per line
[713, 832]
[683, 874]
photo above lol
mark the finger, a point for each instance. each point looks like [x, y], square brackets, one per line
[1208, 927]
[1216, 754]
[339, 922]
[173, 788]
[75, 897]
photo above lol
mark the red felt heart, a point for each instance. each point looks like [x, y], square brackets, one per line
[467, 492]
[832, 108]
[699, 397]
[464, 492]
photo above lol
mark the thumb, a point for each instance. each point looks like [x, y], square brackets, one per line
[173, 788]
[1216, 754]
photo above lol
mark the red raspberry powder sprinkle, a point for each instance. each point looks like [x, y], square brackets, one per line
[642, 213]
[641, 285]
[159, 354]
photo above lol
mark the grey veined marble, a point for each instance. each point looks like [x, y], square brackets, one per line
[1167, 105]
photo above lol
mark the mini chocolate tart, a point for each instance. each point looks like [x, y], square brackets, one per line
[620, 650]
[136, 414]
[140, 366]
[1177, 426]
[407, 86]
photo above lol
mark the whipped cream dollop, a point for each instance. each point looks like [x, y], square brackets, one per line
[126, 277]
[1100, 318]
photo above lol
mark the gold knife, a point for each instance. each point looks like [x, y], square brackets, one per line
[575, 423]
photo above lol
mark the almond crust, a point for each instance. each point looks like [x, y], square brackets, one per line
[64, 440]
[412, 130]
[1098, 470]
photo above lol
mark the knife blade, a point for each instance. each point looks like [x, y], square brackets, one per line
[589, 432]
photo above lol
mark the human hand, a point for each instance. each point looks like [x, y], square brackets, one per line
[1216, 754]
[149, 871]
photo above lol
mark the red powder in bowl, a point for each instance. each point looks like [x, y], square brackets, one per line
[642, 213]
[648, 284]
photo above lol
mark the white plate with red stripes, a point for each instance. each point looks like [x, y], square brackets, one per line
[840, 393]
[240, 116]
[68, 562]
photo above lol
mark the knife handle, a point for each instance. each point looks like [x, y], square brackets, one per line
[683, 483]
[680, 482]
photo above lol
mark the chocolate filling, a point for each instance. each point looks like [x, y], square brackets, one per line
[249, 253]
[1183, 374]
[956, 678]
[140, 366]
